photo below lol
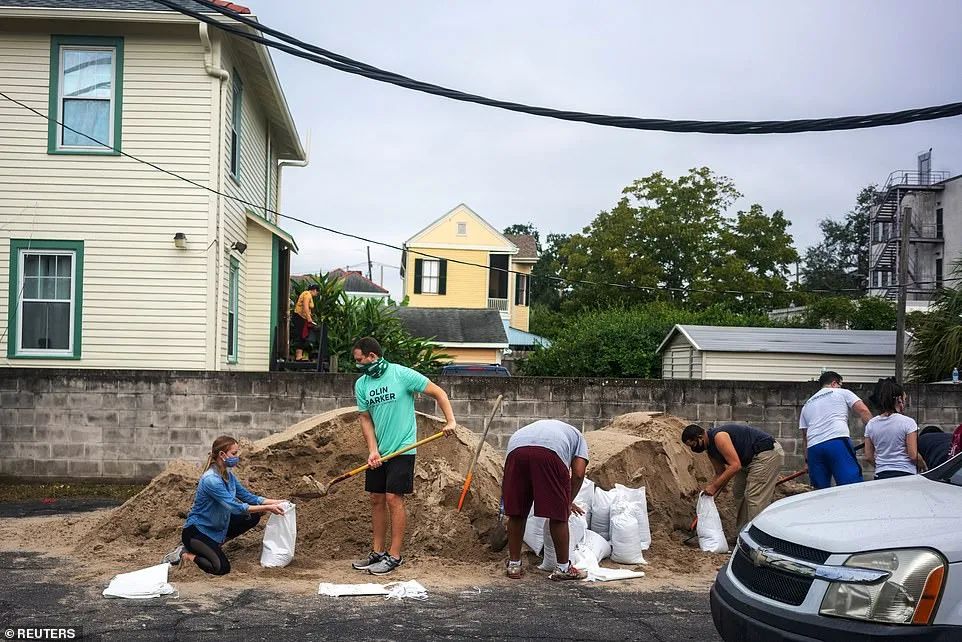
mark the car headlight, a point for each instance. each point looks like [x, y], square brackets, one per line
[908, 596]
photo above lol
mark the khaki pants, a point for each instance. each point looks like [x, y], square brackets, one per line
[754, 486]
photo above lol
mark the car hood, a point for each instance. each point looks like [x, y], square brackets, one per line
[892, 513]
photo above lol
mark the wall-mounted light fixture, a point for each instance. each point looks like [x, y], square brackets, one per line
[180, 240]
[239, 246]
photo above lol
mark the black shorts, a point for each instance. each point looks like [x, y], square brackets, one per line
[395, 476]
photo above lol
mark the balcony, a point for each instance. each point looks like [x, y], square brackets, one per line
[501, 305]
[910, 179]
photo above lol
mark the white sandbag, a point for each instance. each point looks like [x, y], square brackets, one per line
[585, 498]
[625, 535]
[140, 585]
[638, 502]
[576, 532]
[534, 532]
[601, 511]
[601, 574]
[598, 545]
[711, 535]
[583, 558]
[280, 534]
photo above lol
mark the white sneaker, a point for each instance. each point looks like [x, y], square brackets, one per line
[173, 557]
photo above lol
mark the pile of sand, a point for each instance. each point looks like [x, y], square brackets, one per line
[334, 527]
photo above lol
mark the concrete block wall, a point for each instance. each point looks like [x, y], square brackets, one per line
[128, 424]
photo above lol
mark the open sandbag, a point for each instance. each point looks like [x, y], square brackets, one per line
[576, 532]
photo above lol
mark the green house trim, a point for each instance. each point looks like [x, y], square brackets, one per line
[13, 295]
[53, 105]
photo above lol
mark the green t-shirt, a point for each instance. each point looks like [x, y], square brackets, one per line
[389, 400]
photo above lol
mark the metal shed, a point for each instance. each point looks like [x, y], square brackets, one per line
[776, 354]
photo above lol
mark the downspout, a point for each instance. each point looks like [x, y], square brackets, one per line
[223, 76]
[291, 163]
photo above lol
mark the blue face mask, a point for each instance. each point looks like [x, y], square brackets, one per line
[230, 462]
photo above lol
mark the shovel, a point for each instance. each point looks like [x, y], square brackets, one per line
[477, 452]
[322, 489]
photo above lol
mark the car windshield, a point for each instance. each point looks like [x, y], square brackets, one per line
[950, 472]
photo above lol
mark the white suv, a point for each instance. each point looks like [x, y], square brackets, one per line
[880, 560]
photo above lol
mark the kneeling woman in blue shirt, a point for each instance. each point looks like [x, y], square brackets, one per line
[223, 509]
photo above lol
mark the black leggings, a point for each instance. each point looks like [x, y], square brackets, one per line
[889, 474]
[210, 556]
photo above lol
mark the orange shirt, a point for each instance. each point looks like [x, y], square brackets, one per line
[305, 305]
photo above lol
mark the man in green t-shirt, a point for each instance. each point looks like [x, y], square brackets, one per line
[385, 396]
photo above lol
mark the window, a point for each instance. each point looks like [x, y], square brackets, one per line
[86, 92]
[462, 229]
[939, 227]
[45, 299]
[237, 105]
[938, 274]
[430, 276]
[521, 294]
[430, 272]
[232, 311]
[498, 276]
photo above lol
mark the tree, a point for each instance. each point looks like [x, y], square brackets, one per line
[622, 342]
[840, 261]
[349, 319]
[547, 288]
[667, 237]
[522, 229]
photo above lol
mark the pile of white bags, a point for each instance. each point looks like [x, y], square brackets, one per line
[280, 534]
[711, 535]
[576, 532]
[601, 511]
[628, 525]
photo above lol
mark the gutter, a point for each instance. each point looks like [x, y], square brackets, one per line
[282, 163]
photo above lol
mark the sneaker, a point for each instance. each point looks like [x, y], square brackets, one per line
[173, 557]
[514, 571]
[571, 574]
[387, 564]
[369, 561]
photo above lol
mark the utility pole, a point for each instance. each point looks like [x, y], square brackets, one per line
[903, 294]
[369, 277]
[382, 276]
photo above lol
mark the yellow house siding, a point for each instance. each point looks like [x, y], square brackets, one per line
[477, 233]
[249, 186]
[473, 355]
[519, 313]
[754, 366]
[467, 285]
[144, 301]
[255, 349]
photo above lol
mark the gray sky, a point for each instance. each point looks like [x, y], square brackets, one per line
[387, 161]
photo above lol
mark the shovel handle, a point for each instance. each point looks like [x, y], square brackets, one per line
[361, 469]
[477, 452]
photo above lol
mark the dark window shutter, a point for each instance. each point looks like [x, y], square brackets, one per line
[418, 273]
[527, 290]
[443, 277]
[517, 289]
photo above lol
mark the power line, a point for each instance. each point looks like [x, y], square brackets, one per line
[337, 61]
[557, 280]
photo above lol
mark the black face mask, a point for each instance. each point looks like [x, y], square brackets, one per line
[698, 448]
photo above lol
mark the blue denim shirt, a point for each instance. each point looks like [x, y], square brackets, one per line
[216, 500]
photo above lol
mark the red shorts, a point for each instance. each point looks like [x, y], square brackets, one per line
[536, 474]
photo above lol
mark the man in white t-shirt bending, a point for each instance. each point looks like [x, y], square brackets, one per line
[827, 440]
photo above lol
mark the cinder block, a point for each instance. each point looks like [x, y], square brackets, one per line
[67, 451]
[751, 414]
[571, 390]
[247, 403]
[583, 410]
[50, 435]
[30, 450]
[518, 408]
[235, 421]
[117, 434]
[50, 468]
[220, 403]
[9, 434]
[84, 468]
[185, 436]
[712, 412]
[37, 384]
[534, 392]
[781, 413]
[21, 399]
[552, 410]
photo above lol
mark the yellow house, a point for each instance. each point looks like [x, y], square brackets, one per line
[460, 261]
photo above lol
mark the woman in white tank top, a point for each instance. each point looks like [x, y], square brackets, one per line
[891, 438]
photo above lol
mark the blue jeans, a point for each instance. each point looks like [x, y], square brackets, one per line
[830, 459]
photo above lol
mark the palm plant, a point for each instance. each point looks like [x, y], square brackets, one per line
[937, 339]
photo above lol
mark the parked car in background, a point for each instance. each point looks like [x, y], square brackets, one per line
[880, 560]
[475, 370]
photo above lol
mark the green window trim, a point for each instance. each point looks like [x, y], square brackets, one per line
[275, 274]
[236, 126]
[14, 295]
[233, 308]
[53, 105]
